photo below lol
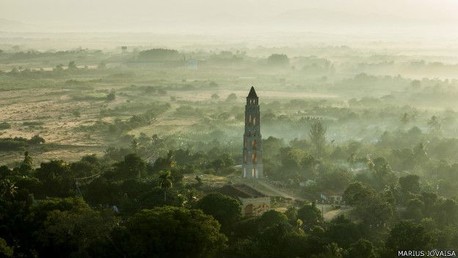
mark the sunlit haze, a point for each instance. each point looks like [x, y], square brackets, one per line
[235, 16]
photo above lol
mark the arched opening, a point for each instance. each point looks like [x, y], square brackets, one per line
[249, 210]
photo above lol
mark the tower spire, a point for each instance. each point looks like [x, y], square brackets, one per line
[252, 93]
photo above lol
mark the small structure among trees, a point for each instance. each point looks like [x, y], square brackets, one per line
[254, 203]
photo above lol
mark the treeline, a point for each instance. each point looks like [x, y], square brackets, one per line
[159, 54]
[19, 143]
[97, 207]
[34, 54]
[82, 209]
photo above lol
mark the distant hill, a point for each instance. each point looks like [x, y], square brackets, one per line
[419, 15]
[14, 26]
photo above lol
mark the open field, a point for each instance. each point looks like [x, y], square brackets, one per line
[69, 106]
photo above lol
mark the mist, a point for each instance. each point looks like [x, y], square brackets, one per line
[228, 128]
[234, 17]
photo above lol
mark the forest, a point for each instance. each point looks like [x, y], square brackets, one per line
[120, 152]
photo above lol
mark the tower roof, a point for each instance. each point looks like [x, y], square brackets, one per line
[252, 93]
[241, 191]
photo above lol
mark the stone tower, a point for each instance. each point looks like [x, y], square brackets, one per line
[252, 145]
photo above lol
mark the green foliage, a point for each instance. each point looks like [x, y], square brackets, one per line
[71, 227]
[334, 181]
[434, 125]
[331, 250]
[131, 167]
[72, 65]
[231, 97]
[5, 172]
[278, 59]
[414, 209]
[13, 144]
[111, 96]
[37, 139]
[275, 241]
[310, 215]
[224, 209]
[5, 250]
[8, 189]
[408, 236]
[27, 164]
[295, 164]
[410, 184]
[362, 249]
[371, 208]
[318, 137]
[102, 65]
[382, 174]
[165, 182]
[214, 96]
[343, 232]
[357, 193]
[156, 232]
[291, 214]
[271, 218]
[5, 126]
[88, 166]
[159, 54]
[56, 178]
[76, 113]
[67, 227]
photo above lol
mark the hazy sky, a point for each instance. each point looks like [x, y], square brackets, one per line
[228, 15]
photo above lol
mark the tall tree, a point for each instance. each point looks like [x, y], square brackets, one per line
[26, 164]
[165, 182]
[318, 137]
[8, 189]
[434, 124]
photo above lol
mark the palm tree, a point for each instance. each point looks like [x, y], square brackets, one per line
[318, 136]
[434, 125]
[7, 189]
[26, 165]
[165, 182]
